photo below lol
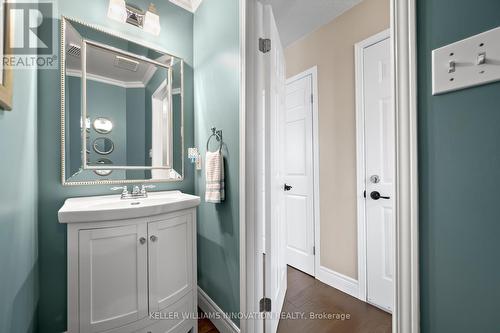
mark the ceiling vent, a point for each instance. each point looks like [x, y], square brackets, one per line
[74, 50]
[125, 63]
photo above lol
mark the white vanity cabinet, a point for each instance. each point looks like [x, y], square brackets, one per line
[170, 261]
[133, 275]
[112, 276]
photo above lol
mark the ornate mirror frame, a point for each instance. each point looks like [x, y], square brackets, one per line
[64, 21]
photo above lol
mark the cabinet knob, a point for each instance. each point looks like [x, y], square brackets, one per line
[153, 238]
[142, 240]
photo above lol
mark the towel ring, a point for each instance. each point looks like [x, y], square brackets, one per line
[218, 136]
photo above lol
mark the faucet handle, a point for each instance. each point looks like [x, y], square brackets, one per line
[124, 189]
[146, 187]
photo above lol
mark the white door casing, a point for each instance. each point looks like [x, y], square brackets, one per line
[298, 169]
[170, 260]
[275, 228]
[161, 131]
[376, 170]
[112, 254]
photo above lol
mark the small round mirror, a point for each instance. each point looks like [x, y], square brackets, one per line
[103, 146]
[103, 173]
[102, 125]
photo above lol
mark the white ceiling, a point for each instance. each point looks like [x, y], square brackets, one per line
[298, 18]
[191, 5]
[101, 64]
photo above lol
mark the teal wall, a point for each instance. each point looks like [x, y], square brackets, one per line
[459, 138]
[216, 59]
[136, 137]
[73, 138]
[108, 101]
[18, 208]
[175, 37]
[99, 105]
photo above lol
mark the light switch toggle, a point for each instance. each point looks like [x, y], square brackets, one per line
[451, 66]
[481, 58]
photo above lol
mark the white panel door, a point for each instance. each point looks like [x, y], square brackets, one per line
[380, 151]
[113, 277]
[170, 260]
[275, 228]
[298, 174]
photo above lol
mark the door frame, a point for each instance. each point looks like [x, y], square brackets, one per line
[157, 100]
[359, 49]
[313, 71]
[406, 314]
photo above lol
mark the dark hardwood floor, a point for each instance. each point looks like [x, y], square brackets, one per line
[306, 294]
[205, 325]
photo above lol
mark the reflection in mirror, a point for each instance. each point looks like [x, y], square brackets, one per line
[103, 146]
[103, 172]
[130, 89]
[129, 94]
[102, 125]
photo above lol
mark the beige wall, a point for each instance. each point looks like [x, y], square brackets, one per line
[331, 48]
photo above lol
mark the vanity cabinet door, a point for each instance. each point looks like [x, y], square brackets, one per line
[112, 277]
[170, 260]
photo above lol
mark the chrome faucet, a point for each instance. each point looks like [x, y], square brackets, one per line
[137, 192]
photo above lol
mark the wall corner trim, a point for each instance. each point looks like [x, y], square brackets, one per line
[338, 281]
[223, 323]
[406, 314]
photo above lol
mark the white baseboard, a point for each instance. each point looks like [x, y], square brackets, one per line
[338, 281]
[222, 322]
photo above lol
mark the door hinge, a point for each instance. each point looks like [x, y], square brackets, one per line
[314, 250]
[264, 45]
[265, 305]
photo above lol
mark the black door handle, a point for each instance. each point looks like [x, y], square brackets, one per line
[287, 187]
[376, 195]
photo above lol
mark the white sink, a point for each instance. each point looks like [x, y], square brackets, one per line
[112, 207]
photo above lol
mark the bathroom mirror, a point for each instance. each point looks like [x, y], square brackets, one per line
[103, 146]
[102, 125]
[131, 97]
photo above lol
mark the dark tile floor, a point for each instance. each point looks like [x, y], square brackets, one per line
[306, 294]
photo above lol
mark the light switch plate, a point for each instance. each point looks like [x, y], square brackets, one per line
[457, 66]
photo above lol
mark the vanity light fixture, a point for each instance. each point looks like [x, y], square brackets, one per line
[121, 11]
[117, 10]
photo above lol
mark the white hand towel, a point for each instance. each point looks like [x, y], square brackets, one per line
[214, 165]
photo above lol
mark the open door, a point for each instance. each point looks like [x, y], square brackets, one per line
[275, 269]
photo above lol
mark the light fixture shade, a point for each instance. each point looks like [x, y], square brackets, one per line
[152, 23]
[117, 10]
